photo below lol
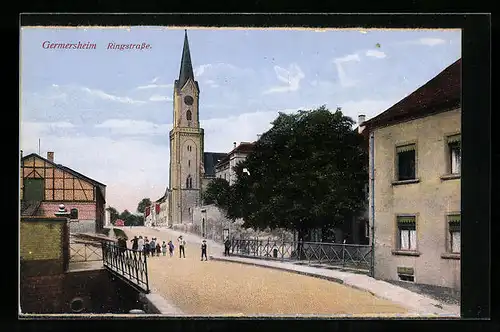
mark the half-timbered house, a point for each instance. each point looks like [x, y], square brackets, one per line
[44, 185]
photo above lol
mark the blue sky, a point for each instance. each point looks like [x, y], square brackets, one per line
[107, 113]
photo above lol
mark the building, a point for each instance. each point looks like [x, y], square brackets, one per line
[161, 217]
[225, 167]
[190, 167]
[415, 161]
[44, 185]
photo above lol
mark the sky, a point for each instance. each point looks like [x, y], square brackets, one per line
[107, 112]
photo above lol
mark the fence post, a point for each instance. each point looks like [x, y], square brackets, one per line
[343, 254]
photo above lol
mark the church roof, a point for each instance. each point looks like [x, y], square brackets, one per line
[210, 159]
[186, 71]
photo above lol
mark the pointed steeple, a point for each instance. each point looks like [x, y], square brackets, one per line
[186, 71]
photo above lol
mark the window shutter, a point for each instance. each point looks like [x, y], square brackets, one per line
[454, 138]
[454, 222]
[406, 220]
[405, 148]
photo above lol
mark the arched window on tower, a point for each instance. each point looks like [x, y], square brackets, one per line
[189, 182]
[188, 115]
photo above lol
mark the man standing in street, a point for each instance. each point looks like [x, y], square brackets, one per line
[204, 250]
[227, 246]
[182, 244]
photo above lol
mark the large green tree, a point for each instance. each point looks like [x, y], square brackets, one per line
[113, 214]
[217, 192]
[308, 171]
[143, 204]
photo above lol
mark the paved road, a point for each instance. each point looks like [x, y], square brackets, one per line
[220, 288]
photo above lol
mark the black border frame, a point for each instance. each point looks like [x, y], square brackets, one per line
[476, 112]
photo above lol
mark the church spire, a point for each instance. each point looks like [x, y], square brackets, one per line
[186, 71]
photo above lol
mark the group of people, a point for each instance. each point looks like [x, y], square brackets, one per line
[153, 247]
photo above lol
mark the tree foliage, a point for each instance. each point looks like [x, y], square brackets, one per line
[308, 171]
[113, 214]
[217, 192]
[143, 204]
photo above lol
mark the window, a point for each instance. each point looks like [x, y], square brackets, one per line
[73, 213]
[454, 231]
[189, 163]
[33, 190]
[188, 115]
[189, 182]
[454, 154]
[406, 161]
[407, 233]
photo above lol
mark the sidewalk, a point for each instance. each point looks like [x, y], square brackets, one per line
[416, 303]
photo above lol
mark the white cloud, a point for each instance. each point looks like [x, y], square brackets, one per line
[291, 77]
[211, 83]
[431, 41]
[344, 80]
[134, 127]
[160, 98]
[220, 69]
[154, 80]
[375, 54]
[106, 96]
[155, 86]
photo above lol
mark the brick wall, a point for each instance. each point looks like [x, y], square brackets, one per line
[41, 246]
[86, 211]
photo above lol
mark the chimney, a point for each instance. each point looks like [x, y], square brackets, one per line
[50, 156]
[234, 144]
[258, 136]
[361, 119]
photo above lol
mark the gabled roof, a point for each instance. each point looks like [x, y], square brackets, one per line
[100, 185]
[210, 159]
[243, 147]
[442, 93]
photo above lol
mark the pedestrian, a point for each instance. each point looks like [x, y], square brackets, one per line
[135, 243]
[122, 244]
[204, 250]
[182, 244]
[164, 248]
[158, 248]
[146, 247]
[152, 247]
[171, 248]
[140, 243]
[227, 246]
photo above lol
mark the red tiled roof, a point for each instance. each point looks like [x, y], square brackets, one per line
[441, 93]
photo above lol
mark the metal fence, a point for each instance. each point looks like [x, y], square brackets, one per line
[84, 251]
[352, 256]
[128, 263]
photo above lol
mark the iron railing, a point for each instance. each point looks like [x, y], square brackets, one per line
[84, 251]
[352, 256]
[128, 263]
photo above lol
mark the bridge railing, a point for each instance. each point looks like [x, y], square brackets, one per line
[130, 264]
[353, 256]
[84, 251]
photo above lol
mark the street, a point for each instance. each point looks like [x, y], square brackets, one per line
[220, 288]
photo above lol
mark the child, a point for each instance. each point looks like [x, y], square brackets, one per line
[170, 248]
[146, 247]
[164, 248]
[204, 250]
[152, 246]
[158, 248]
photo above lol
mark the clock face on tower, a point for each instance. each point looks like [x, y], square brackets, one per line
[188, 100]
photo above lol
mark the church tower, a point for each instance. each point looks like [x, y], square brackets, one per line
[186, 144]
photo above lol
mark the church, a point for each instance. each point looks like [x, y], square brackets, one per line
[191, 168]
